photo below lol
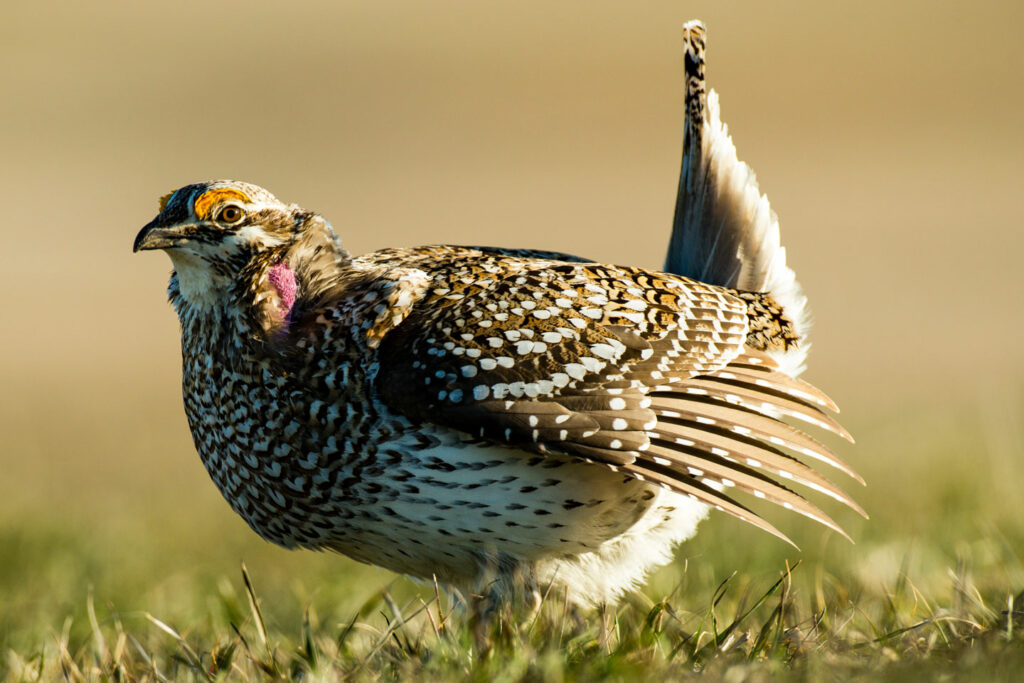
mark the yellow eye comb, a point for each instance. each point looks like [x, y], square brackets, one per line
[210, 198]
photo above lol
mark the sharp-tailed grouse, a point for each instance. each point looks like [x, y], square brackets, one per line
[497, 415]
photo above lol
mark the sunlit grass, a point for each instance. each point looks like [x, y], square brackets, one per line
[795, 623]
[142, 581]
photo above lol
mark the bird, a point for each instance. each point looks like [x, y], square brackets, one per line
[499, 420]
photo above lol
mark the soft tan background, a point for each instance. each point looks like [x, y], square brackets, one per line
[888, 137]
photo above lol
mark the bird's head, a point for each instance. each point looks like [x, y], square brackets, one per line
[220, 232]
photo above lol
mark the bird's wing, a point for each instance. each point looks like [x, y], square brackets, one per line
[532, 253]
[647, 373]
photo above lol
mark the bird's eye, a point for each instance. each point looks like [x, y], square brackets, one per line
[230, 214]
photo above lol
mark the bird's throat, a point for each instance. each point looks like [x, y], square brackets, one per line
[198, 284]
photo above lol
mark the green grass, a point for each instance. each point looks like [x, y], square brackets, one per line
[804, 623]
[933, 588]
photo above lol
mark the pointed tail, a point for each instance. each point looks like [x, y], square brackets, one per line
[724, 231]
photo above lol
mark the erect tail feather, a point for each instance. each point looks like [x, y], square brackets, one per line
[725, 232]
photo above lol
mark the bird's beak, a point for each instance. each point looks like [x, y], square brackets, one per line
[153, 236]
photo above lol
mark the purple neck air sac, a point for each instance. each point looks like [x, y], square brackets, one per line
[283, 279]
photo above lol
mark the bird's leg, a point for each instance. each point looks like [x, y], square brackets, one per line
[531, 598]
[508, 598]
[484, 601]
[534, 602]
[482, 609]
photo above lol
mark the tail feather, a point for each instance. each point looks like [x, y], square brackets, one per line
[725, 232]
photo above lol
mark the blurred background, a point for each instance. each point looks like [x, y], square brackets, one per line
[889, 138]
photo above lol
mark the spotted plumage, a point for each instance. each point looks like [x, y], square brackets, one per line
[484, 416]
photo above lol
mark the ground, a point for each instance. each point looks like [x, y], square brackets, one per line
[933, 586]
